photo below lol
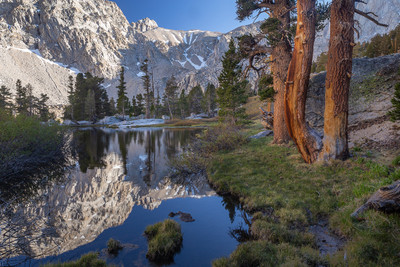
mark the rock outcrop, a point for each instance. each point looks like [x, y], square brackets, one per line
[371, 91]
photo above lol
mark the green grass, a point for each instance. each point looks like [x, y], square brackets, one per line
[287, 196]
[164, 240]
[88, 260]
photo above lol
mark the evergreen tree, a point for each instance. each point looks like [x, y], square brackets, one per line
[5, 99]
[395, 113]
[196, 100]
[113, 109]
[210, 99]
[105, 104]
[134, 107]
[266, 88]
[20, 100]
[232, 91]
[69, 110]
[148, 95]
[183, 104]
[122, 101]
[171, 96]
[43, 109]
[31, 100]
[78, 106]
[90, 106]
[140, 104]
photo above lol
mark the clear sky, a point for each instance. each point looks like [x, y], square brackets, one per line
[210, 15]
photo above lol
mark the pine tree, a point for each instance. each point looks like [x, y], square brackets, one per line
[148, 95]
[122, 101]
[140, 104]
[78, 105]
[105, 104]
[183, 104]
[210, 99]
[232, 91]
[69, 110]
[31, 100]
[20, 100]
[43, 109]
[5, 99]
[395, 113]
[90, 106]
[171, 97]
[196, 100]
[113, 109]
[134, 107]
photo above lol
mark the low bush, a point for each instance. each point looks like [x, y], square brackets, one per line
[164, 240]
[31, 153]
[88, 260]
[113, 246]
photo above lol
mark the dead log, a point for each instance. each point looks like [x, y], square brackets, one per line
[386, 199]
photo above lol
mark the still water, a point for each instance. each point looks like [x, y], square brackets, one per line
[118, 186]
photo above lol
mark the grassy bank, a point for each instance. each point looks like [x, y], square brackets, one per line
[287, 196]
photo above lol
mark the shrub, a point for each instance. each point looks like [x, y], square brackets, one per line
[165, 239]
[31, 154]
[88, 260]
[396, 161]
[113, 246]
[395, 112]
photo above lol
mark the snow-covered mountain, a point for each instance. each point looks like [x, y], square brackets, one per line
[42, 42]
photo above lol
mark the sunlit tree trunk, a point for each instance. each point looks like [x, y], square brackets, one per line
[338, 77]
[280, 57]
[306, 139]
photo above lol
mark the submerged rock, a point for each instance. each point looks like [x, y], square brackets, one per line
[185, 217]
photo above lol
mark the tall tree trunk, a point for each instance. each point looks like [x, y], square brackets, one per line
[280, 57]
[338, 80]
[307, 140]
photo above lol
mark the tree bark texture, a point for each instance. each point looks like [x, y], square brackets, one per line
[280, 57]
[339, 68]
[307, 140]
[386, 199]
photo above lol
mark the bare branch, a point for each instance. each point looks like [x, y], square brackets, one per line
[366, 15]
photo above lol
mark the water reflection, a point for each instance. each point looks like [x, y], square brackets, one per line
[115, 171]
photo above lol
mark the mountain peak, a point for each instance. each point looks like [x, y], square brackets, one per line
[144, 25]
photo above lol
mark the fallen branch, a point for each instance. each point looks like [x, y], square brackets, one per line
[386, 199]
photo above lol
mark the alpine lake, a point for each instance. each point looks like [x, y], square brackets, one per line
[119, 184]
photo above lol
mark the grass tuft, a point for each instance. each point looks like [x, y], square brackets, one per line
[165, 239]
[88, 260]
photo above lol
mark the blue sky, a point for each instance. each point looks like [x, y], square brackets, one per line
[211, 15]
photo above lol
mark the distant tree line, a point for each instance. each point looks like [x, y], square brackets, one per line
[24, 102]
[379, 45]
[175, 102]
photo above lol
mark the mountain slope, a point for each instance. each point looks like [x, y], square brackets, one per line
[95, 36]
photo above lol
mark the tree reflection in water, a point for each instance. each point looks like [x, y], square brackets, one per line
[117, 168]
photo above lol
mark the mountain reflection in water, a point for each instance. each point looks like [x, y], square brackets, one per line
[116, 170]
[117, 186]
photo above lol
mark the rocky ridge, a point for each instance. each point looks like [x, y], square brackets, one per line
[95, 36]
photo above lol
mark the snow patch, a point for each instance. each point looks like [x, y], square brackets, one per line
[141, 74]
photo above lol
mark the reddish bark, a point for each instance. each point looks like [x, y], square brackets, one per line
[281, 56]
[307, 140]
[339, 68]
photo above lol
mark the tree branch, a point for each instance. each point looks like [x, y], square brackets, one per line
[366, 15]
